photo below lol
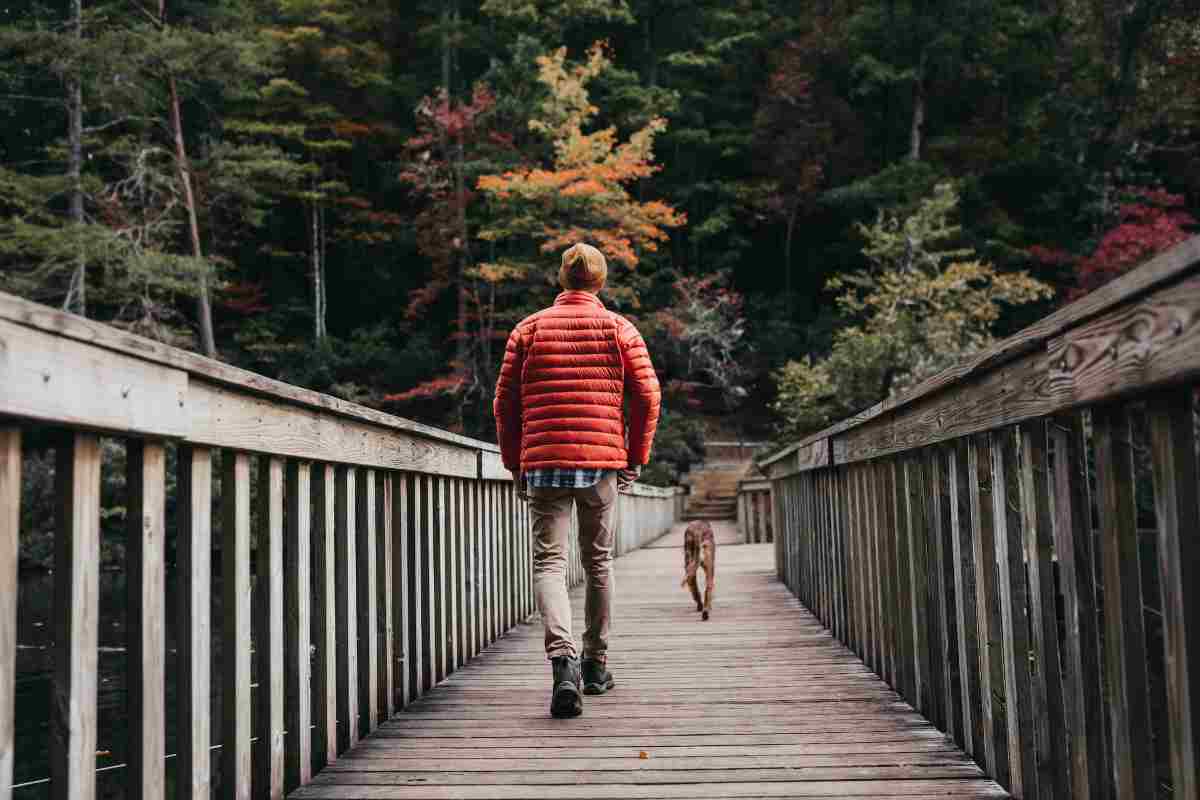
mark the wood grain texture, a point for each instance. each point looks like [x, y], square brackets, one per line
[387, 590]
[366, 602]
[64, 382]
[1133, 348]
[223, 417]
[966, 591]
[401, 598]
[1052, 739]
[485, 732]
[1173, 442]
[76, 618]
[145, 548]
[1168, 266]
[10, 519]
[325, 642]
[268, 606]
[1012, 596]
[1124, 635]
[346, 591]
[1081, 655]
[235, 626]
[115, 340]
[193, 672]
[299, 628]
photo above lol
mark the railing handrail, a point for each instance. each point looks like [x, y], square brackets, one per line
[39, 317]
[1052, 334]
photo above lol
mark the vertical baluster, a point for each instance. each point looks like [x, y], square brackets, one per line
[966, 601]
[76, 618]
[415, 652]
[386, 592]
[526, 565]
[347, 608]
[269, 637]
[905, 584]
[472, 556]
[325, 711]
[235, 604]
[942, 531]
[437, 584]
[425, 574]
[853, 559]
[10, 518]
[889, 561]
[456, 526]
[991, 670]
[506, 574]
[1124, 637]
[1014, 624]
[297, 665]
[1053, 755]
[366, 600]
[445, 602]
[402, 588]
[921, 623]
[1173, 445]
[858, 511]
[145, 691]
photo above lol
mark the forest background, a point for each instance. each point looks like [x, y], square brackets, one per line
[807, 205]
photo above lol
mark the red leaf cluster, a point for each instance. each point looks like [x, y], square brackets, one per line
[1150, 221]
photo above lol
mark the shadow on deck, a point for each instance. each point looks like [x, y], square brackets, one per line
[761, 701]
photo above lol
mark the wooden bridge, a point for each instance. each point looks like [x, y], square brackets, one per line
[991, 577]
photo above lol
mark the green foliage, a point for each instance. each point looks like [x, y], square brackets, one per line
[924, 305]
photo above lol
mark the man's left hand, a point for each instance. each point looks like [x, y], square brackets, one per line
[522, 487]
[628, 476]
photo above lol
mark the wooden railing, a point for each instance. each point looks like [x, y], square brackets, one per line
[1014, 545]
[383, 555]
[754, 511]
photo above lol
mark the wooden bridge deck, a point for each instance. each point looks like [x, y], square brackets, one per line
[758, 702]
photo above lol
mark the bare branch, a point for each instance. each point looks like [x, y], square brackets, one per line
[114, 123]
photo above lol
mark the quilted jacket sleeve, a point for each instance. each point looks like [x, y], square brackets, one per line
[641, 387]
[507, 404]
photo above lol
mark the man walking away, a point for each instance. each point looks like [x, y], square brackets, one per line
[563, 423]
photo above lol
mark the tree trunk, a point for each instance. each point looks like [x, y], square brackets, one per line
[918, 117]
[203, 300]
[317, 277]
[324, 317]
[76, 298]
[787, 254]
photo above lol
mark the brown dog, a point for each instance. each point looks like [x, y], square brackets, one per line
[700, 550]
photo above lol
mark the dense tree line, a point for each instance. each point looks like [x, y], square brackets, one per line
[362, 197]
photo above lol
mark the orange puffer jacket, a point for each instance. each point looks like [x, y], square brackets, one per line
[559, 398]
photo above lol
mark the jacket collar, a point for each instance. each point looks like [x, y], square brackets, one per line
[577, 298]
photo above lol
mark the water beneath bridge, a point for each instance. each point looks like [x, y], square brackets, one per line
[760, 701]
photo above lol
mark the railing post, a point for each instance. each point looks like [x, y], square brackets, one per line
[10, 518]
[297, 665]
[235, 602]
[268, 588]
[145, 685]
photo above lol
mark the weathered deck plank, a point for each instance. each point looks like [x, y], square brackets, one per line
[758, 702]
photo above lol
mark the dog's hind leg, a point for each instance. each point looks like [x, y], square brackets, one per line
[710, 578]
[695, 587]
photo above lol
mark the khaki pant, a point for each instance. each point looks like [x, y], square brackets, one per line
[551, 511]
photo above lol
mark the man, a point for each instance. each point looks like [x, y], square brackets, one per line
[566, 434]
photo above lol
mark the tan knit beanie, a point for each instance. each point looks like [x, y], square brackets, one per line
[583, 268]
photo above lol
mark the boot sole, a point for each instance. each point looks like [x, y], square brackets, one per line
[597, 688]
[567, 702]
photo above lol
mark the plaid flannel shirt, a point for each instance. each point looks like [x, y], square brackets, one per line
[563, 478]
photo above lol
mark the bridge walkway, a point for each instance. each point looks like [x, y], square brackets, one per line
[760, 701]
